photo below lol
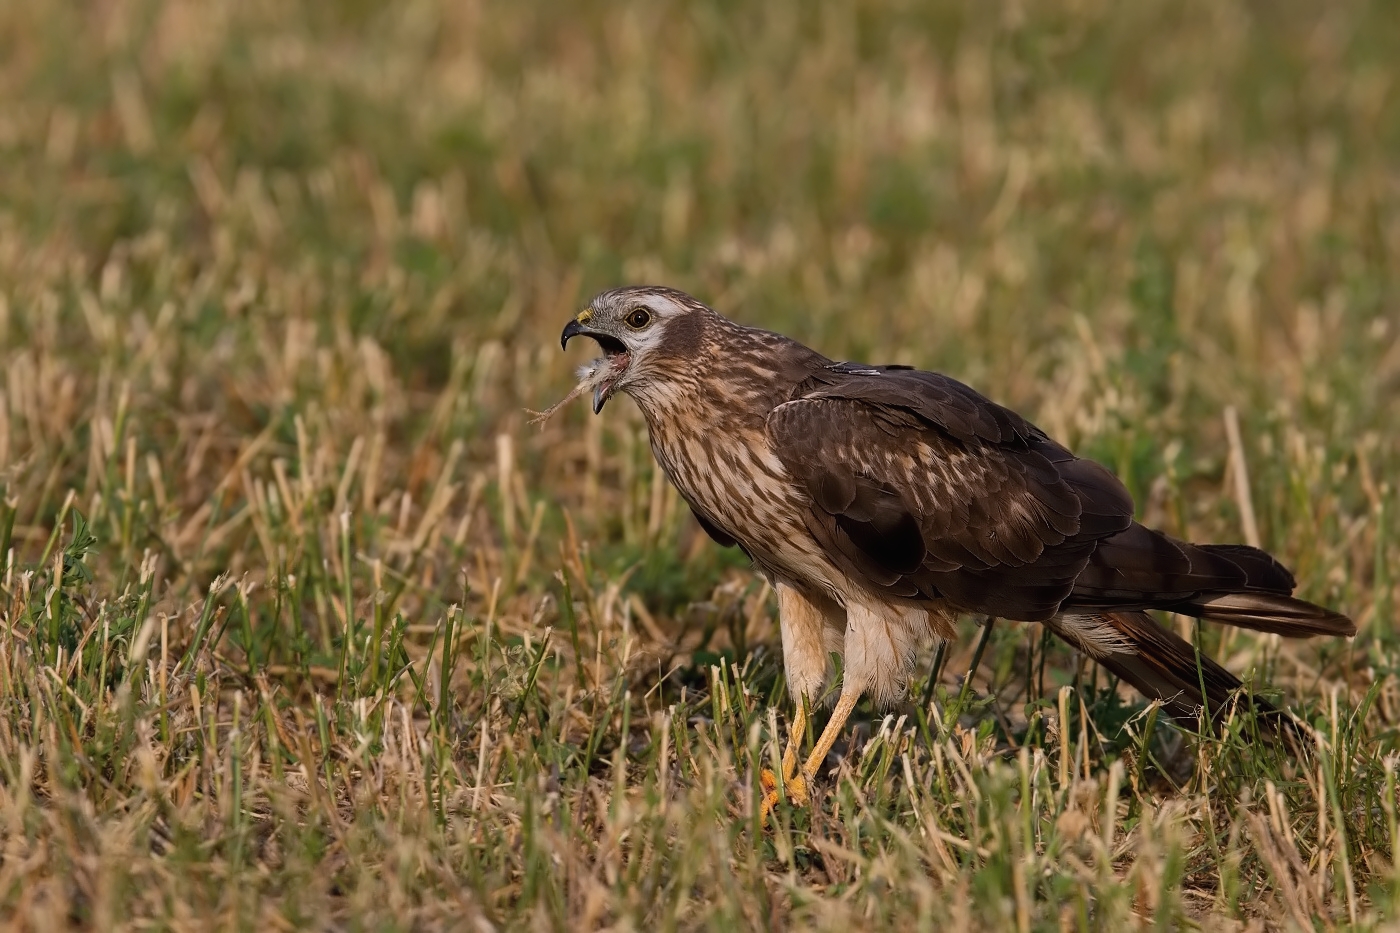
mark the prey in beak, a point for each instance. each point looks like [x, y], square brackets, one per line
[601, 375]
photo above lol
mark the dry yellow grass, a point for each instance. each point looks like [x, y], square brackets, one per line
[303, 625]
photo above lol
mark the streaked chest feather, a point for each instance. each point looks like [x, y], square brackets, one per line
[734, 477]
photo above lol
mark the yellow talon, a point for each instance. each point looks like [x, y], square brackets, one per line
[770, 781]
[795, 787]
[796, 783]
[770, 797]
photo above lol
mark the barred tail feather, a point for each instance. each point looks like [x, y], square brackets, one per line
[1231, 583]
[1266, 612]
[1159, 663]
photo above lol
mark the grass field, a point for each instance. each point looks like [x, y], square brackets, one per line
[302, 625]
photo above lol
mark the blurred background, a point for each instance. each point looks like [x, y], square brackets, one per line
[1117, 219]
[278, 280]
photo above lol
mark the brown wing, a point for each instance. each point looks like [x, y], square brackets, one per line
[927, 490]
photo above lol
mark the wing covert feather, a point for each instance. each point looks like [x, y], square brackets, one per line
[926, 489]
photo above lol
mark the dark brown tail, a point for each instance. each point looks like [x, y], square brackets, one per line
[1264, 600]
[1139, 569]
[1158, 662]
[1265, 612]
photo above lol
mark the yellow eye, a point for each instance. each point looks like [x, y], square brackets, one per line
[638, 318]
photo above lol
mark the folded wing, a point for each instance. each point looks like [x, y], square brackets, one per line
[926, 490]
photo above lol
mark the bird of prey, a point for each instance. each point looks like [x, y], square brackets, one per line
[882, 501]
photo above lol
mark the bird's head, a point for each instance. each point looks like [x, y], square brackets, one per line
[643, 330]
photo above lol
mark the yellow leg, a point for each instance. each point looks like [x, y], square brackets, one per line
[833, 729]
[796, 733]
[796, 785]
[767, 779]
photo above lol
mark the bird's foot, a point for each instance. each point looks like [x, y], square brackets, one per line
[795, 787]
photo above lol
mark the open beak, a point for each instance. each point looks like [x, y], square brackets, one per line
[607, 370]
[571, 329]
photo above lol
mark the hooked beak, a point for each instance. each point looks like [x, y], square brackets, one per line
[607, 370]
[571, 329]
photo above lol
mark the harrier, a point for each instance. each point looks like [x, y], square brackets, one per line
[881, 501]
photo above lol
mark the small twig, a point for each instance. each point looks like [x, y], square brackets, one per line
[589, 375]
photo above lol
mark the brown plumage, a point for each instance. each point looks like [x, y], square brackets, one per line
[881, 501]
